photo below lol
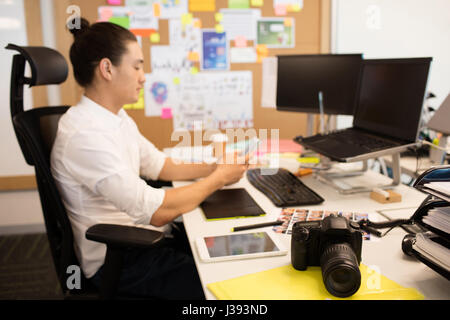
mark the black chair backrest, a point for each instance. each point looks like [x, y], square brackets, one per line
[36, 132]
[37, 128]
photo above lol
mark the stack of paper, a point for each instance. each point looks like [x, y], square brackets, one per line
[439, 218]
[433, 251]
[440, 189]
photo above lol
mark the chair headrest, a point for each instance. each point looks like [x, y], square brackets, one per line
[48, 66]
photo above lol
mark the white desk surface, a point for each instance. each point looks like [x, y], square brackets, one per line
[385, 253]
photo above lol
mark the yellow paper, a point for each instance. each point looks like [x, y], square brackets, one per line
[286, 283]
[219, 28]
[202, 5]
[155, 37]
[308, 160]
[139, 104]
[194, 70]
[257, 3]
[218, 16]
[186, 19]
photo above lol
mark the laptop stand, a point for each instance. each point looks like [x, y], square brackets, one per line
[331, 177]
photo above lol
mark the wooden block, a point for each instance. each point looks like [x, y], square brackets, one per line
[393, 197]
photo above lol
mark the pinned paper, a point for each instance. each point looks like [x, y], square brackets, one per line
[194, 70]
[156, 9]
[166, 113]
[115, 2]
[105, 13]
[219, 28]
[262, 52]
[186, 19]
[193, 56]
[240, 42]
[139, 104]
[257, 3]
[197, 23]
[280, 10]
[238, 4]
[155, 37]
[218, 16]
[294, 8]
[288, 22]
[121, 21]
[202, 5]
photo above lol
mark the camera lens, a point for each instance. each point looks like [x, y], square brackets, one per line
[340, 270]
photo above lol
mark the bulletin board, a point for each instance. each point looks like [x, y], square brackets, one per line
[311, 29]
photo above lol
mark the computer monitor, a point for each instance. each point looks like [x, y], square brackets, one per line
[391, 96]
[302, 77]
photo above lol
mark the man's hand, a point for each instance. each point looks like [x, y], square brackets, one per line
[231, 168]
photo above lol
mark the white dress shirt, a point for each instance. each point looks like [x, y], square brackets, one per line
[97, 160]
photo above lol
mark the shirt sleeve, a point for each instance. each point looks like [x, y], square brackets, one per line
[152, 160]
[95, 162]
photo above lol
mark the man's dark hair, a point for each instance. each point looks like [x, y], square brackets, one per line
[94, 42]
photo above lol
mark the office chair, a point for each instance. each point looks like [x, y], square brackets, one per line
[36, 131]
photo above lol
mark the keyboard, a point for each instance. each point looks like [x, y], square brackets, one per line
[371, 142]
[283, 188]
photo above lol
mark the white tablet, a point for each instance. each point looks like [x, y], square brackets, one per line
[239, 246]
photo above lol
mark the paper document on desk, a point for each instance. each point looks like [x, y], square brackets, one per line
[432, 250]
[286, 283]
[441, 187]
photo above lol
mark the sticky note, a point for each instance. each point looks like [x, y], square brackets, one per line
[257, 3]
[186, 18]
[288, 22]
[166, 113]
[219, 28]
[105, 13]
[238, 4]
[261, 49]
[121, 21]
[218, 16]
[155, 37]
[156, 9]
[197, 23]
[193, 56]
[280, 10]
[240, 41]
[115, 2]
[294, 7]
[194, 70]
[176, 80]
[202, 5]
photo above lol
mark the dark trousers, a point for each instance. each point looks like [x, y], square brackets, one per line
[167, 271]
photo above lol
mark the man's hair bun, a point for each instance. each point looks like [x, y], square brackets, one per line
[77, 26]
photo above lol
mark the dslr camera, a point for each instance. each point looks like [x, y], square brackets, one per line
[335, 245]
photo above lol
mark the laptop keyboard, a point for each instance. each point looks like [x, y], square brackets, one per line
[283, 188]
[361, 140]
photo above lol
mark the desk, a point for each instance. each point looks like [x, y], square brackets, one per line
[385, 253]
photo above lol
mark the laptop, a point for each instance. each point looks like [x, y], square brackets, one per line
[389, 104]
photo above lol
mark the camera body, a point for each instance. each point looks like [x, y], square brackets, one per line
[334, 244]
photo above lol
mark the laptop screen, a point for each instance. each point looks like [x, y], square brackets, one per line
[301, 77]
[391, 96]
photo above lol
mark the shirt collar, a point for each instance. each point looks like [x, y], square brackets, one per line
[106, 116]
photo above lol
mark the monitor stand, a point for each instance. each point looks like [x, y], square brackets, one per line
[332, 178]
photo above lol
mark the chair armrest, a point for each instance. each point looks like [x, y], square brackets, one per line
[123, 236]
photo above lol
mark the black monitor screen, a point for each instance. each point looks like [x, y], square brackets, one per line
[391, 96]
[301, 77]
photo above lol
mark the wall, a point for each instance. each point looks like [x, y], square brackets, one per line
[400, 28]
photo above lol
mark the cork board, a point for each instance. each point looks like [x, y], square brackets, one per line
[311, 36]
